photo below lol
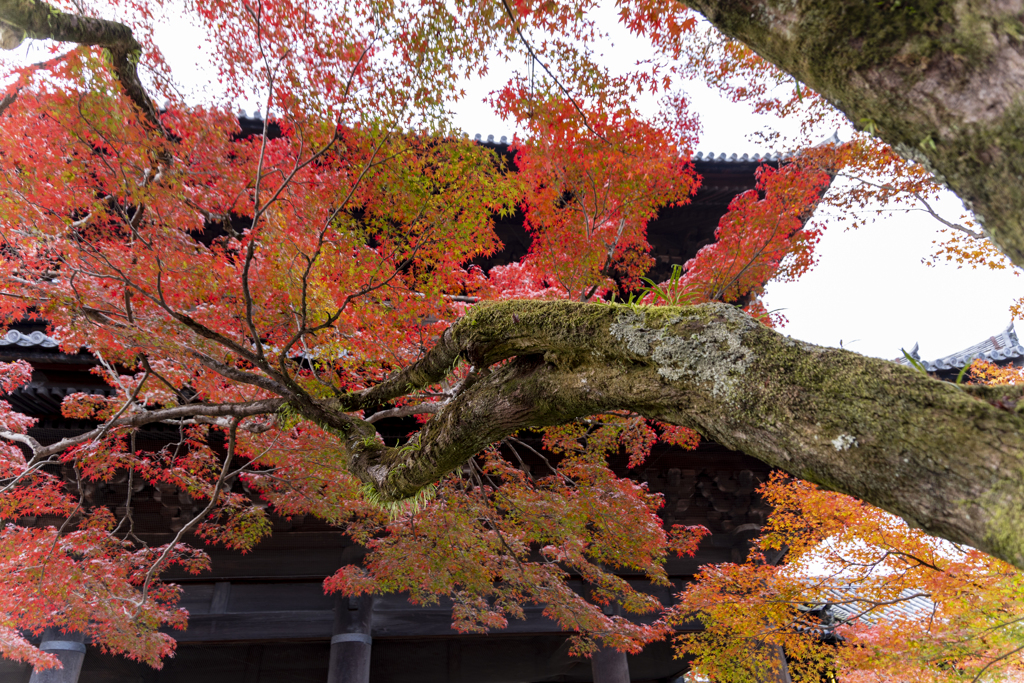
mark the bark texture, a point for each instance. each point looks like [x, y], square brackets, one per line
[941, 80]
[948, 459]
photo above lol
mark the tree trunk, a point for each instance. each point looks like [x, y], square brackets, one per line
[941, 81]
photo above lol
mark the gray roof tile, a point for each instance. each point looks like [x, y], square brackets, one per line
[33, 339]
[1001, 347]
[909, 604]
[734, 158]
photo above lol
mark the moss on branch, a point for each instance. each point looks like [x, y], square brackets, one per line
[949, 460]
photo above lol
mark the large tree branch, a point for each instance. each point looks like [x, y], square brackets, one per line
[946, 458]
[941, 82]
[20, 19]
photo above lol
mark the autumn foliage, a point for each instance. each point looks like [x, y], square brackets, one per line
[848, 590]
[211, 273]
[852, 592]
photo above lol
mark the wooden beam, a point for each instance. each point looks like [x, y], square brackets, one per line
[223, 612]
[318, 624]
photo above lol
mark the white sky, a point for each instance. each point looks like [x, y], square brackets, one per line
[870, 289]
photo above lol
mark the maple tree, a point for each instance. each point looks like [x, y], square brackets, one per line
[852, 592]
[846, 589]
[275, 296]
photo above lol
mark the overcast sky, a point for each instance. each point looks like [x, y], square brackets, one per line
[870, 290]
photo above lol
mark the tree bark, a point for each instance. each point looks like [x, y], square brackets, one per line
[940, 80]
[946, 458]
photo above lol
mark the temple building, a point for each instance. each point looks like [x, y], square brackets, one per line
[263, 617]
[1002, 349]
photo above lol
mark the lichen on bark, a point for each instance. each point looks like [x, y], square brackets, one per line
[949, 459]
[678, 354]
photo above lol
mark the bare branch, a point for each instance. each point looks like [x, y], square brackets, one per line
[140, 419]
[214, 498]
[924, 202]
[25, 439]
[949, 224]
[529, 48]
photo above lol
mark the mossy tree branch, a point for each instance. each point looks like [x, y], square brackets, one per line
[946, 458]
[940, 80]
[20, 19]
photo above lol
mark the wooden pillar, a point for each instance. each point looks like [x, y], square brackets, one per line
[609, 666]
[350, 644]
[781, 673]
[70, 650]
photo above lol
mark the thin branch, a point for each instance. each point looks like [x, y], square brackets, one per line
[214, 497]
[144, 361]
[1000, 658]
[12, 95]
[540, 455]
[533, 55]
[250, 250]
[235, 410]
[955, 226]
[927, 207]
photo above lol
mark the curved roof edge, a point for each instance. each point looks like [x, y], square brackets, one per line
[733, 158]
[256, 119]
[33, 339]
[999, 348]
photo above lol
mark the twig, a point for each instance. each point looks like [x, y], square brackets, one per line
[214, 497]
[533, 55]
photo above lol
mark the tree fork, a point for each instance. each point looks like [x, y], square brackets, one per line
[940, 80]
[946, 458]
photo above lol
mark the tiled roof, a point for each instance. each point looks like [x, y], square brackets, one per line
[1002, 347]
[734, 158]
[842, 605]
[910, 604]
[699, 156]
[34, 339]
[770, 157]
[490, 139]
[257, 118]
